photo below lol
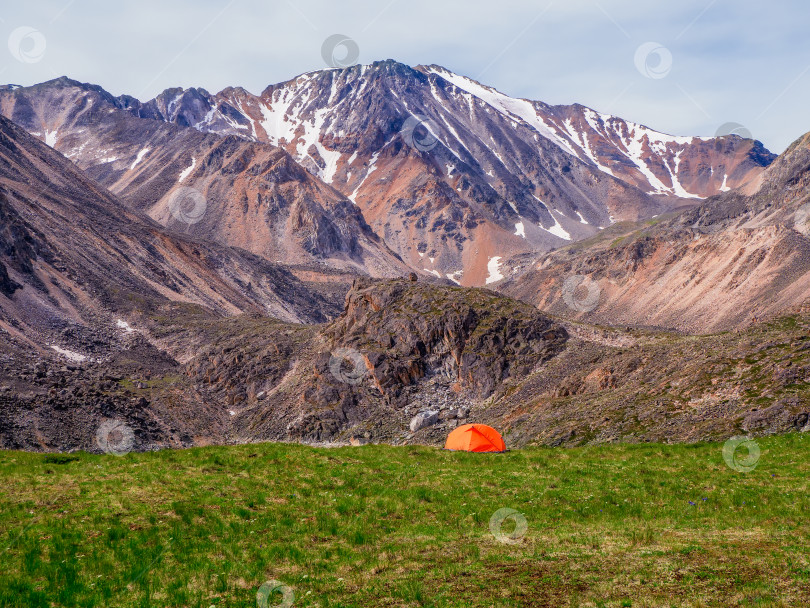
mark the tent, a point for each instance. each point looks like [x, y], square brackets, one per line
[475, 438]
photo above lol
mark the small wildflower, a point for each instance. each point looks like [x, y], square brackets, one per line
[692, 503]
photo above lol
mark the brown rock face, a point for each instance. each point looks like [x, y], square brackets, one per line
[473, 338]
[7, 286]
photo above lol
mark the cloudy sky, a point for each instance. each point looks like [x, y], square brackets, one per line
[684, 67]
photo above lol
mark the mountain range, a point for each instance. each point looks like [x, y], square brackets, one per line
[452, 176]
[201, 267]
[733, 259]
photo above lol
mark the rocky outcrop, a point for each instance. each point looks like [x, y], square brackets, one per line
[401, 349]
[473, 338]
[7, 286]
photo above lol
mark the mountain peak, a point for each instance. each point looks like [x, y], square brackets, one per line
[452, 174]
[64, 81]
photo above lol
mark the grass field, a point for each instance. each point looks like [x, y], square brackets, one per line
[618, 525]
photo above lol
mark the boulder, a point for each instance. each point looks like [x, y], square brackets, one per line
[423, 419]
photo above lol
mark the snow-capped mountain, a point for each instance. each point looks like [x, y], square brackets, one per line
[730, 260]
[241, 193]
[453, 175]
[483, 175]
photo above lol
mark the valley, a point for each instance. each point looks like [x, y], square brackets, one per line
[222, 288]
[520, 318]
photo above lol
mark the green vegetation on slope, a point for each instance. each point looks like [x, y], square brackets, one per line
[664, 387]
[615, 525]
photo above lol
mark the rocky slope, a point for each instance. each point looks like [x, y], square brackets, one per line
[398, 347]
[406, 363]
[634, 386]
[76, 266]
[239, 193]
[453, 175]
[734, 258]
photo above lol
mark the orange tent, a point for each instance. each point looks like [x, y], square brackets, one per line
[475, 438]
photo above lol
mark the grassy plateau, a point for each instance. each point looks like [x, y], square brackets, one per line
[613, 525]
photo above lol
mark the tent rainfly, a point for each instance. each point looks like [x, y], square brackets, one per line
[475, 438]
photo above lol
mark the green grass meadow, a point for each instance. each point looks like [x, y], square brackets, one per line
[615, 525]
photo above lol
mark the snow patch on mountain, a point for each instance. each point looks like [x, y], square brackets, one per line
[520, 109]
[581, 138]
[635, 149]
[173, 104]
[372, 166]
[455, 134]
[121, 324]
[76, 151]
[677, 188]
[50, 137]
[187, 171]
[139, 158]
[207, 119]
[311, 139]
[70, 355]
[557, 229]
[276, 123]
[494, 269]
[639, 136]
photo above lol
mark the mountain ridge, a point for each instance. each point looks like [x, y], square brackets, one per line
[251, 195]
[502, 176]
[734, 259]
[105, 314]
[72, 257]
